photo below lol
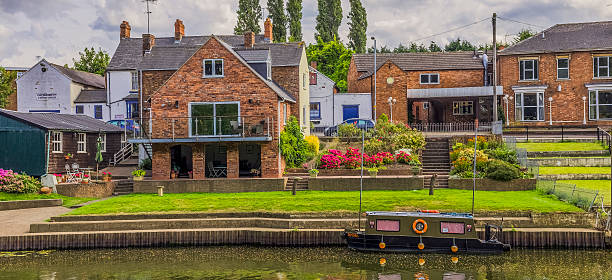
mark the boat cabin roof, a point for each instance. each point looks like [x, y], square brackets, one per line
[420, 214]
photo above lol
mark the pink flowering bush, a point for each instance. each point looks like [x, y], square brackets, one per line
[387, 157]
[330, 161]
[407, 158]
[11, 182]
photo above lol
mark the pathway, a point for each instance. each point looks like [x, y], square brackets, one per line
[13, 222]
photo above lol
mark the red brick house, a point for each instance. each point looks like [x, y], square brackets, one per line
[561, 76]
[447, 87]
[219, 115]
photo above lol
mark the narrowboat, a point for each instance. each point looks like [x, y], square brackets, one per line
[427, 231]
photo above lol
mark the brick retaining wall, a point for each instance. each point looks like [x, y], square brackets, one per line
[93, 189]
[211, 185]
[483, 184]
[395, 183]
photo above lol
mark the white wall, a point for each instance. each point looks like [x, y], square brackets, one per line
[362, 99]
[88, 110]
[323, 92]
[304, 93]
[119, 85]
[49, 90]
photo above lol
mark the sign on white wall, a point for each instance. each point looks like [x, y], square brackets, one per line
[44, 90]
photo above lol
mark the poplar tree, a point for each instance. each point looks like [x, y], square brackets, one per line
[358, 25]
[328, 20]
[279, 20]
[294, 13]
[249, 16]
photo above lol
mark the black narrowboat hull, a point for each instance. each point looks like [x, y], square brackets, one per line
[358, 240]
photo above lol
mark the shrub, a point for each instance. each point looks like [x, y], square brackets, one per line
[504, 154]
[312, 141]
[138, 173]
[409, 139]
[11, 182]
[145, 164]
[502, 171]
[293, 146]
[374, 145]
[405, 157]
[330, 161]
[349, 131]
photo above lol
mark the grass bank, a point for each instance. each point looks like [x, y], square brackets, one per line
[67, 201]
[561, 146]
[552, 170]
[603, 186]
[324, 201]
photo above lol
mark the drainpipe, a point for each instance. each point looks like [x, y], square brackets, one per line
[108, 94]
[278, 133]
[48, 151]
[140, 106]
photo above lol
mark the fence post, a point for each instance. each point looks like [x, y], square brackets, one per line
[554, 186]
[527, 133]
[593, 202]
[597, 134]
[574, 190]
[562, 138]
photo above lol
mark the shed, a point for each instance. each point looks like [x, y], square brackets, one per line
[38, 143]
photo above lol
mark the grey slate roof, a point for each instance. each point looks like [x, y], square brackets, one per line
[131, 96]
[254, 55]
[91, 96]
[167, 57]
[65, 122]
[568, 37]
[463, 60]
[81, 77]
[284, 54]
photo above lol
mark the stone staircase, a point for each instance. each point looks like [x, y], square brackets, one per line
[436, 160]
[301, 185]
[124, 186]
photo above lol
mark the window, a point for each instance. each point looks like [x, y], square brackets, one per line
[430, 78]
[563, 68]
[98, 112]
[530, 106]
[103, 142]
[387, 225]
[304, 80]
[463, 108]
[528, 69]
[221, 118]
[123, 140]
[450, 227]
[315, 110]
[284, 113]
[81, 143]
[131, 109]
[313, 78]
[304, 115]
[600, 104]
[213, 68]
[602, 67]
[56, 142]
[134, 81]
[79, 109]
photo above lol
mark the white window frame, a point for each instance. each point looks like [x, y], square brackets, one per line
[238, 118]
[81, 143]
[536, 74]
[429, 75]
[459, 105]
[304, 80]
[520, 105]
[214, 62]
[123, 140]
[56, 142]
[284, 113]
[103, 138]
[594, 104]
[597, 67]
[564, 68]
[134, 81]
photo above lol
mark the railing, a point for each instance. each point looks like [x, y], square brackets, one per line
[564, 132]
[582, 198]
[124, 153]
[222, 126]
[451, 127]
[521, 155]
[604, 137]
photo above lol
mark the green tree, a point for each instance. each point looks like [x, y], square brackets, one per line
[328, 20]
[522, 35]
[333, 60]
[433, 47]
[358, 25]
[294, 12]
[6, 85]
[92, 61]
[279, 20]
[294, 148]
[458, 45]
[383, 49]
[249, 16]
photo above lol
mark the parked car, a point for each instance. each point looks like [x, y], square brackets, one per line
[132, 126]
[364, 124]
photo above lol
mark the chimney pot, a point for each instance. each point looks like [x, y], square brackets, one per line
[125, 30]
[268, 35]
[249, 39]
[148, 41]
[179, 30]
[313, 64]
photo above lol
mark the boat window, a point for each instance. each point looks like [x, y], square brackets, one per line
[387, 225]
[449, 227]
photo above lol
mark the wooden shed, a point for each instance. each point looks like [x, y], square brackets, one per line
[39, 143]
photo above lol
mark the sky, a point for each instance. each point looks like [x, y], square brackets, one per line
[58, 29]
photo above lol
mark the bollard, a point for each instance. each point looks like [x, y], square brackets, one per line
[294, 187]
[431, 184]
[160, 190]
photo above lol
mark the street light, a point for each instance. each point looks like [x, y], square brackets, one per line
[391, 101]
[584, 110]
[506, 97]
[550, 99]
[374, 105]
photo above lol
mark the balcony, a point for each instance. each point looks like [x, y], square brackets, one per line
[205, 129]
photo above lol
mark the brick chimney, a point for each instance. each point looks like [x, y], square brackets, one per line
[148, 41]
[313, 64]
[125, 30]
[179, 30]
[268, 35]
[249, 39]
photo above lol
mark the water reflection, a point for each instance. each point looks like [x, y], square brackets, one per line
[300, 263]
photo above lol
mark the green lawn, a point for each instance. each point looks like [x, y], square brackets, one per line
[548, 170]
[324, 201]
[67, 201]
[603, 186]
[561, 146]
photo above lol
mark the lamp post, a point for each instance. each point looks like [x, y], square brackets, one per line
[391, 101]
[550, 99]
[584, 110]
[374, 103]
[506, 101]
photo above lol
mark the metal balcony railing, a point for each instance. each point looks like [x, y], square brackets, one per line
[205, 126]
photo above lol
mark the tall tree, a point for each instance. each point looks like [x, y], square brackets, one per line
[249, 16]
[7, 78]
[522, 35]
[358, 25]
[433, 47]
[458, 45]
[328, 20]
[333, 60]
[92, 61]
[294, 12]
[279, 20]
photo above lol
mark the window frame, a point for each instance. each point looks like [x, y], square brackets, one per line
[597, 66]
[460, 104]
[284, 113]
[238, 118]
[134, 79]
[540, 103]
[317, 115]
[76, 109]
[81, 143]
[95, 109]
[103, 137]
[535, 68]
[213, 65]
[55, 135]
[566, 68]
[596, 105]
[429, 75]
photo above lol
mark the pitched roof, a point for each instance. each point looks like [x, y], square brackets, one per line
[463, 60]
[53, 121]
[283, 54]
[568, 37]
[91, 96]
[81, 77]
[254, 55]
[167, 57]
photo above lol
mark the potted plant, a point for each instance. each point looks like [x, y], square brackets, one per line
[85, 179]
[68, 156]
[373, 171]
[416, 170]
[138, 174]
[107, 176]
[313, 173]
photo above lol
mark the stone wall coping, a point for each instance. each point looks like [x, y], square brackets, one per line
[23, 204]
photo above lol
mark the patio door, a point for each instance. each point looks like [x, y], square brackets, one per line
[214, 119]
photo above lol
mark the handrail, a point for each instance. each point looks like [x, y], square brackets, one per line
[451, 127]
[123, 153]
[604, 137]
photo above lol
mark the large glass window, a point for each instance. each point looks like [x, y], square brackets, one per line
[562, 68]
[134, 81]
[213, 68]
[602, 67]
[528, 69]
[600, 104]
[530, 106]
[315, 110]
[463, 108]
[209, 119]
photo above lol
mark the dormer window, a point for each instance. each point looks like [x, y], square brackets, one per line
[213, 68]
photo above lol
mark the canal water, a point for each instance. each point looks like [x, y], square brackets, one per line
[242, 262]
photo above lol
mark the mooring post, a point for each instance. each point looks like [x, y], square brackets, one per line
[160, 190]
[294, 187]
[431, 184]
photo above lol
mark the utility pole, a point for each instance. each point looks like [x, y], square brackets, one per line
[494, 20]
[374, 102]
[148, 12]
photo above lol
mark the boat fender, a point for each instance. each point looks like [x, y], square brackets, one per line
[382, 245]
[421, 246]
[419, 226]
[454, 249]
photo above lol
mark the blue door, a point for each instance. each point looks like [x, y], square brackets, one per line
[350, 112]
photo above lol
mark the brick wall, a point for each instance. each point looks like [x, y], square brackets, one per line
[288, 77]
[567, 105]
[353, 83]
[57, 162]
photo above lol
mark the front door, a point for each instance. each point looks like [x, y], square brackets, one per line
[350, 112]
[484, 109]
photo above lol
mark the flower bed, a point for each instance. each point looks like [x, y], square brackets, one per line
[12, 182]
[351, 159]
